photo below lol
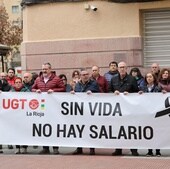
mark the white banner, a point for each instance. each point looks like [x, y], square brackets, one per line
[81, 120]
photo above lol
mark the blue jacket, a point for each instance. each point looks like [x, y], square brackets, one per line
[89, 85]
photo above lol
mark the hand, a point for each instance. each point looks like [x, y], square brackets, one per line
[140, 92]
[125, 93]
[38, 91]
[50, 91]
[116, 92]
[72, 92]
[164, 91]
[89, 92]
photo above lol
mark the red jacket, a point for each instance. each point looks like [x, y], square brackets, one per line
[54, 83]
[102, 82]
[11, 81]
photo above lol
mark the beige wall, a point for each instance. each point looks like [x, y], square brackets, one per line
[8, 5]
[56, 21]
[71, 37]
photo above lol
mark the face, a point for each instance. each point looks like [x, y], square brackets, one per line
[112, 67]
[122, 68]
[84, 76]
[46, 70]
[3, 76]
[155, 68]
[134, 74]
[95, 71]
[165, 74]
[18, 83]
[27, 77]
[149, 78]
[76, 74]
[10, 73]
[64, 80]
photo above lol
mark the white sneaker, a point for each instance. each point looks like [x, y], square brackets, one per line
[17, 151]
[24, 151]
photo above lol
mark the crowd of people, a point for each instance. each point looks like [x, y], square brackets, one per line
[117, 80]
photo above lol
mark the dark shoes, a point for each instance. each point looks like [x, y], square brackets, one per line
[55, 150]
[1, 151]
[92, 151]
[158, 154]
[45, 151]
[134, 152]
[118, 152]
[10, 147]
[149, 154]
[78, 151]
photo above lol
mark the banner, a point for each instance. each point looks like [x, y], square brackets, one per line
[81, 120]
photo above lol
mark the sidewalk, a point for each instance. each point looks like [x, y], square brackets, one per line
[103, 160]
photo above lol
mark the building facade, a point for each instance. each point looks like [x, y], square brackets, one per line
[72, 35]
[14, 11]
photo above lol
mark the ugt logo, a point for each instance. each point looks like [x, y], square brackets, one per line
[21, 104]
[166, 111]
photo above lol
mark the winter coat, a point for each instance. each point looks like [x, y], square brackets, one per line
[89, 85]
[54, 83]
[128, 84]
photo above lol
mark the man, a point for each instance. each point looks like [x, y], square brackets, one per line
[101, 80]
[85, 84]
[123, 83]
[155, 69]
[112, 71]
[4, 86]
[11, 76]
[48, 82]
[27, 80]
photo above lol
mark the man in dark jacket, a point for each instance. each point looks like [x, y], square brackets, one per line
[86, 84]
[4, 85]
[48, 82]
[112, 71]
[28, 81]
[123, 83]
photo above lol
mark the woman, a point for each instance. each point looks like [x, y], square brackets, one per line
[75, 78]
[19, 87]
[64, 79]
[135, 72]
[164, 79]
[151, 87]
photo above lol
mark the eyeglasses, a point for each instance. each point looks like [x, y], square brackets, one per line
[154, 67]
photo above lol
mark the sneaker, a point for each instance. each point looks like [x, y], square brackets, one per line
[149, 154]
[24, 151]
[55, 151]
[17, 151]
[44, 151]
[158, 154]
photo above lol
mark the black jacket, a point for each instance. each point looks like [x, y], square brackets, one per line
[4, 85]
[127, 84]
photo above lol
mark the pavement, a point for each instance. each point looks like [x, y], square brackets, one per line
[65, 160]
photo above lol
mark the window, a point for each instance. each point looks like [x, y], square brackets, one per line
[15, 9]
[156, 37]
